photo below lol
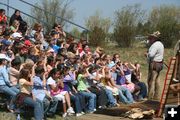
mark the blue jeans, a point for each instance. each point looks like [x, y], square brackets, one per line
[38, 107]
[125, 95]
[10, 91]
[143, 90]
[91, 100]
[79, 102]
[50, 106]
[111, 99]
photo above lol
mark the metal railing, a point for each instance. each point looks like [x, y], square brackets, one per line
[54, 15]
[86, 30]
[24, 13]
[48, 24]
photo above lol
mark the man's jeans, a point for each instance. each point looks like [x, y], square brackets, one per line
[50, 106]
[37, 105]
[91, 100]
[125, 95]
[111, 99]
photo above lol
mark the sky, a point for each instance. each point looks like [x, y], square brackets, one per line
[85, 8]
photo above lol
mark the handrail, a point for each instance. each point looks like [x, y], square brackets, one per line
[26, 14]
[54, 15]
[35, 18]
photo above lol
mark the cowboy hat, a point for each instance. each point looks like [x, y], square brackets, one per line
[155, 34]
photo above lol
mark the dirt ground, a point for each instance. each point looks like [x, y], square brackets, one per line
[116, 113]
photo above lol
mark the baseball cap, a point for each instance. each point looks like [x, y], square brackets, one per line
[6, 42]
[16, 35]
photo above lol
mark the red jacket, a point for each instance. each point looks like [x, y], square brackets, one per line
[3, 19]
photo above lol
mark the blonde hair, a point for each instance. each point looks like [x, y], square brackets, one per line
[28, 64]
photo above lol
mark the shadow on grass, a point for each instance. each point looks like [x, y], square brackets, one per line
[122, 109]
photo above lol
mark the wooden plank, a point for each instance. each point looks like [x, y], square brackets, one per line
[172, 95]
[172, 102]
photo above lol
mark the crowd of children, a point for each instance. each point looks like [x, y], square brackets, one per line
[40, 71]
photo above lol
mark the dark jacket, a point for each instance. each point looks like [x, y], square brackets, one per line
[14, 17]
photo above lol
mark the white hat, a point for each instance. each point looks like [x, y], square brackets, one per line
[16, 34]
[3, 56]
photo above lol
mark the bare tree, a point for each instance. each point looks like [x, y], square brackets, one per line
[59, 8]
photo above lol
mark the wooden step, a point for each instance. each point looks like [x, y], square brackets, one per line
[172, 101]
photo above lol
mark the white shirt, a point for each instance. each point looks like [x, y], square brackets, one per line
[50, 81]
[93, 76]
[156, 52]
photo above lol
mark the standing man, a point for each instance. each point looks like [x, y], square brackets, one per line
[155, 59]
